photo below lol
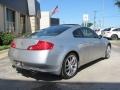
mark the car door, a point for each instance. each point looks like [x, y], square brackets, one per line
[119, 32]
[82, 46]
[95, 46]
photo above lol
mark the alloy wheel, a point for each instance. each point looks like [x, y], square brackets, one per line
[108, 52]
[70, 66]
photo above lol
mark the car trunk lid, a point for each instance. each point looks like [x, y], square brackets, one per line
[24, 43]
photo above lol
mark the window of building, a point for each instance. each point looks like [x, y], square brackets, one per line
[10, 20]
[22, 24]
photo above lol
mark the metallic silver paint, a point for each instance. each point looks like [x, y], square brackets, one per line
[88, 49]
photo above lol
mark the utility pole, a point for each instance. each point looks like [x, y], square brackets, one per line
[103, 7]
[100, 24]
[95, 19]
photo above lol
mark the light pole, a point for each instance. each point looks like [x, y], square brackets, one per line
[103, 8]
[95, 19]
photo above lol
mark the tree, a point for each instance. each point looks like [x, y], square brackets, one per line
[89, 24]
[117, 3]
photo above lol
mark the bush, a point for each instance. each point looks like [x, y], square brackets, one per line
[6, 38]
[4, 47]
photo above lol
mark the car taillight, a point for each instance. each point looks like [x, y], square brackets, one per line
[41, 45]
[13, 45]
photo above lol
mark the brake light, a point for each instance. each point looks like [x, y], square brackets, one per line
[41, 45]
[13, 45]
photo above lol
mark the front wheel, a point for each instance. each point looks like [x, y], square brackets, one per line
[70, 66]
[108, 52]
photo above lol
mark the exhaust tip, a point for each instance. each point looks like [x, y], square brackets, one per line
[13, 66]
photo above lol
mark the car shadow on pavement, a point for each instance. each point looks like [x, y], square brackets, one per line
[89, 64]
[50, 77]
[41, 76]
[7, 84]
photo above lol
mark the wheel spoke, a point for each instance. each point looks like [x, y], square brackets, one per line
[71, 65]
[67, 69]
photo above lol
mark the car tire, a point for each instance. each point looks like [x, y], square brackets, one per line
[69, 66]
[114, 37]
[108, 52]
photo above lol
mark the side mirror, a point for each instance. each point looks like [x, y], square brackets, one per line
[100, 36]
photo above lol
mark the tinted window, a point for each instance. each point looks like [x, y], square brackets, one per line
[97, 30]
[115, 30]
[51, 31]
[88, 33]
[77, 33]
[107, 29]
[118, 29]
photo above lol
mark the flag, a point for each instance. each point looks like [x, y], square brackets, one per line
[55, 10]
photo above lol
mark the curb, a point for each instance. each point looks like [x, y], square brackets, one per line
[4, 51]
[3, 54]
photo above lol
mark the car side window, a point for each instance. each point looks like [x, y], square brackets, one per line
[119, 29]
[88, 33]
[77, 33]
[116, 30]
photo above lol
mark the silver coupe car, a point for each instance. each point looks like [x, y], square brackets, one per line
[59, 50]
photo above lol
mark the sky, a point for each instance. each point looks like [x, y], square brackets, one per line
[71, 11]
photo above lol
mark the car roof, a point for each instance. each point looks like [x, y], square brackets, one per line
[111, 28]
[70, 25]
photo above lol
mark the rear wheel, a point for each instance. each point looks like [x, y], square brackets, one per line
[108, 52]
[114, 37]
[70, 66]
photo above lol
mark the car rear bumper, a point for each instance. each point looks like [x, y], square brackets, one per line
[35, 67]
[35, 60]
[106, 35]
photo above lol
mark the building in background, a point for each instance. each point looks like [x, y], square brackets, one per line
[19, 16]
[47, 21]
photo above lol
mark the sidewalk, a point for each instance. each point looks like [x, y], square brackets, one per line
[3, 54]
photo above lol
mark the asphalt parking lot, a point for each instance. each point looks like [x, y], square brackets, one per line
[98, 75]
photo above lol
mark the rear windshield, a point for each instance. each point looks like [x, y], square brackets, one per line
[51, 31]
[107, 29]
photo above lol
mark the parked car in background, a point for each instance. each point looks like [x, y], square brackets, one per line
[98, 31]
[111, 33]
[59, 50]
